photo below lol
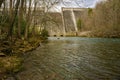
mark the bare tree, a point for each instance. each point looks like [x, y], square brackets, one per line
[1, 1]
[28, 19]
[20, 17]
[104, 21]
[13, 20]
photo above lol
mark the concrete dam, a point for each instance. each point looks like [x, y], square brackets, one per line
[62, 23]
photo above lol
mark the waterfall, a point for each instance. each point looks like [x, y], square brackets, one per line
[74, 20]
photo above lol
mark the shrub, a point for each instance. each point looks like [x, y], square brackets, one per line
[44, 33]
[79, 24]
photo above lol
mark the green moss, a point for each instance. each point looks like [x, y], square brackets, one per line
[44, 33]
[11, 64]
[79, 24]
[90, 11]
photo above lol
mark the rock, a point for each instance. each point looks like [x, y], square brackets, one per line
[6, 43]
[7, 51]
[84, 34]
[10, 78]
[2, 54]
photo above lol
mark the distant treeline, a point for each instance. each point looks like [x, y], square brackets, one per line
[103, 20]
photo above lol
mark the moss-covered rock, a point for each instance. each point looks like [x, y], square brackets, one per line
[11, 64]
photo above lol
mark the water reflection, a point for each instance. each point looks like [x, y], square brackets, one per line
[74, 58]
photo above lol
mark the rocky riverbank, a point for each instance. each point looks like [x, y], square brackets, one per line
[10, 55]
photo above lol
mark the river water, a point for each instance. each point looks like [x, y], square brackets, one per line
[73, 58]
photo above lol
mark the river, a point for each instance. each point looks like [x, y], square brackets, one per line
[73, 58]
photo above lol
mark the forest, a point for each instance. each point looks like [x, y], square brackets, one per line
[16, 35]
[103, 20]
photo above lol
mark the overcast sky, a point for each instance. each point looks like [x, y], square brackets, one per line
[80, 3]
[77, 4]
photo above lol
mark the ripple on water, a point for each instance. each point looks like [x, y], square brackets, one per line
[73, 58]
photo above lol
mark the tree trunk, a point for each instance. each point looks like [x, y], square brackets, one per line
[28, 21]
[20, 18]
[13, 20]
[33, 29]
[1, 1]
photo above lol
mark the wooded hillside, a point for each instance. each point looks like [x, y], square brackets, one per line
[104, 20]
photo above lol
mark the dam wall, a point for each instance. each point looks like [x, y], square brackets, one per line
[62, 23]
